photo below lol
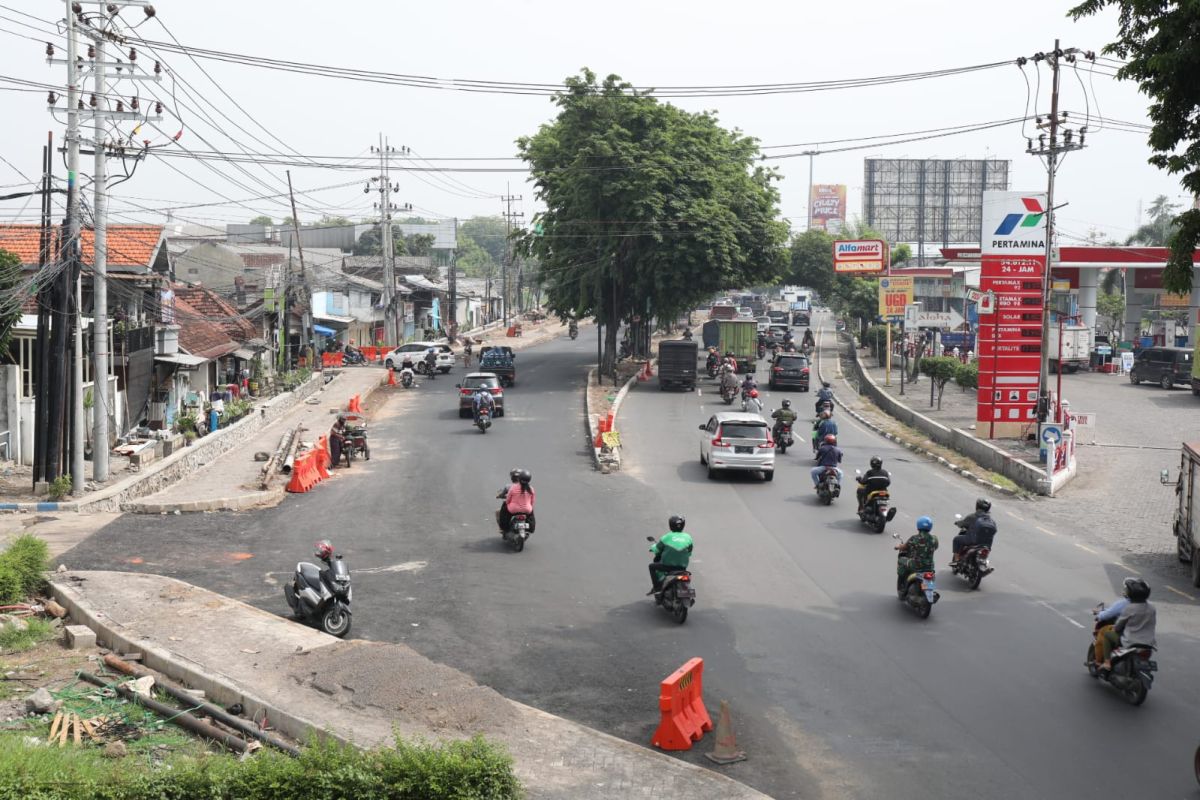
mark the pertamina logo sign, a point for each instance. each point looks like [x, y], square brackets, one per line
[1014, 223]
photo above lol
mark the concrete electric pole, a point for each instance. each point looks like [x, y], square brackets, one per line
[385, 207]
[510, 217]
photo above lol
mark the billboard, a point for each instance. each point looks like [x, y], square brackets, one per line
[860, 255]
[828, 203]
[1010, 339]
[895, 292]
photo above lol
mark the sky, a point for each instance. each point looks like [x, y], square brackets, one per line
[659, 43]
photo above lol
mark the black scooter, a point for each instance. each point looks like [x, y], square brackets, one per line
[320, 595]
[573, 332]
[675, 594]
[518, 529]
[352, 357]
[1132, 672]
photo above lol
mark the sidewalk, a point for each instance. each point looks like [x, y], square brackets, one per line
[230, 481]
[304, 680]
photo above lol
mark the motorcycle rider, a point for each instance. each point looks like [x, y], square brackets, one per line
[808, 338]
[783, 416]
[824, 395]
[407, 362]
[713, 359]
[873, 480]
[977, 529]
[431, 362]
[483, 399]
[748, 383]
[828, 455]
[671, 554]
[1135, 623]
[687, 334]
[917, 552]
[518, 498]
[573, 328]
[824, 426]
[728, 379]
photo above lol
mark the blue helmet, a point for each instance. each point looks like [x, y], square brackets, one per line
[924, 524]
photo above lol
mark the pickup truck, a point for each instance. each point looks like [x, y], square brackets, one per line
[500, 360]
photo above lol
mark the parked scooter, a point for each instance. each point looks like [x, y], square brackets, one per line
[918, 590]
[355, 444]
[483, 420]
[676, 594]
[877, 511]
[1132, 672]
[320, 595]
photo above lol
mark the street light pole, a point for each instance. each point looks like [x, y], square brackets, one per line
[810, 154]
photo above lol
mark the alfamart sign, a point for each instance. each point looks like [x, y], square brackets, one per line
[860, 255]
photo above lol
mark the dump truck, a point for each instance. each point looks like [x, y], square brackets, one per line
[677, 363]
[740, 337]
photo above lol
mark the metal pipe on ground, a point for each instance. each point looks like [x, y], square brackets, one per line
[276, 460]
[173, 715]
[216, 712]
[290, 458]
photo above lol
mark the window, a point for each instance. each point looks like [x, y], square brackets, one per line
[480, 383]
[743, 430]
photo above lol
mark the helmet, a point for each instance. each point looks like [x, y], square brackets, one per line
[675, 523]
[341, 418]
[786, 403]
[830, 439]
[924, 524]
[754, 392]
[876, 462]
[1137, 590]
[983, 504]
[825, 384]
[514, 474]
[324, 549]
[525, 476]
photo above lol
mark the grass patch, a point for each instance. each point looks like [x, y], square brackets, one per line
[15, 641]
[1000, 480]
[21, 568]
[468, 770]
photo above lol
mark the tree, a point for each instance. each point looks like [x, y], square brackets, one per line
[328, 221]
[488, 233]
[856, 298]
[1161, 227]
[649, 209]
[1159, 42]
[10, 279]
[940, 369]
[967, 375]
[811, 261]
[418, 244]
[262, 219]
[1111, 309]
[902, 254]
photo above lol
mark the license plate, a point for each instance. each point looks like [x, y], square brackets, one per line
[740, 449]
[791, 373]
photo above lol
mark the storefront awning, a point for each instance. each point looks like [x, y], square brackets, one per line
[321, 329]
[185, 360]
[244, 354]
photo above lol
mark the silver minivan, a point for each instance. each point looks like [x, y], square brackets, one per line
[736, 440]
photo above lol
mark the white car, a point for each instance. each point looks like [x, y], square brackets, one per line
[445, 356]
[735, 440]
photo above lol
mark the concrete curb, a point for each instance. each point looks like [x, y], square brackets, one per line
[963, 471]
[591, 424]
[240, 502]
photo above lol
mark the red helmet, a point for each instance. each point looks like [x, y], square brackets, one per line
[754, 392]
[324, 549]
[830, 439]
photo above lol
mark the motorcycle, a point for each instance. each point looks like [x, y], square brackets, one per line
[972, 565]
[750, 401]
[406, 377]
[355, 443]
[728, 392]
[876, 513]
[762, 350]
[351, 357]
[321, 595]
[573, 332]
[828, 486]
[918, 590]
[783, 436]
[483, 420]
[518, 529]
[676, 594]
[1132, 672]
[712, 365]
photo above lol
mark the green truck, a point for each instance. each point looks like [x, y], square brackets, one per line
[740, 337]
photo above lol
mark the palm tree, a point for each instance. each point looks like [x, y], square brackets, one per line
[1157, 232]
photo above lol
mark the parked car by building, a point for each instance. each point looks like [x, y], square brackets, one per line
[1165, 366]
[445, 356]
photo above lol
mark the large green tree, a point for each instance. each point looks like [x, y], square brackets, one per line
[649, 209]
[490, 234]
[1158, 231]
[1160, 43]
[262, 219]
[812, 261]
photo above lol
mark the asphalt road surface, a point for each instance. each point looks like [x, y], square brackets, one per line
[837, 689]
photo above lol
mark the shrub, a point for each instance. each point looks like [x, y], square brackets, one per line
[940, 369]
[185, 423]
[876, 337]
[14, 641]
[967, 375]
[11, 590]
[60, 487]
[21, 568]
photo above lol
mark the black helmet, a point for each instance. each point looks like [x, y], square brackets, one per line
[876, 462]
[786, 403]
[825, 384]
[525, 476]
[983, 504]
[675, 523]
[514, 474]
[1137, 590]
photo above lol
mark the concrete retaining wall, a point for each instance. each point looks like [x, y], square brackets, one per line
[1030, 477]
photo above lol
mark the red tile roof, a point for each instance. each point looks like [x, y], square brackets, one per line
[199, 336]
[215, 308]
[128, 245]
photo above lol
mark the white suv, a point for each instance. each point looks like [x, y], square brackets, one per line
[445, 356]
[737, 440]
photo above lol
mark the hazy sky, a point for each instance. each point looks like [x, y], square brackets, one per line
[648, 43]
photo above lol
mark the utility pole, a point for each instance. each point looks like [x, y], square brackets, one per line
[386, 187]
[78, 469]
[509, 217]
[1062, 139]
[306, 331]
[100, 276]
[810, 154]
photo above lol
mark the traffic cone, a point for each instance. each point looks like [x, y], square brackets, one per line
[726, 751]
[391, 377]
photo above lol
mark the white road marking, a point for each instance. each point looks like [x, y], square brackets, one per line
[407, 566]
[1085, 547]
[1056, 611]
[1122, 566]
[1045, 530]
[1015, 516]
[1181, 594]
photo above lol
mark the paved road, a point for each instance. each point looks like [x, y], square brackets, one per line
[837, 690]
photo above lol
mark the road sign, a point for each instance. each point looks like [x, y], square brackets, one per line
[910, 315]
[986, 302]
[1126, 362]
[895, 293]
[973, 295]
[1051, 433]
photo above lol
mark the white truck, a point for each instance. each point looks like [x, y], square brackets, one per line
[1076, 347]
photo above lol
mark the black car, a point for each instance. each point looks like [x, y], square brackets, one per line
[789, 370]
[1165, 366]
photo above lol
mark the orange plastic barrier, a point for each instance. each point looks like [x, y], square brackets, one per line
[681, 703]
[323, 460]
[338, 358]
[354, 405]
[326, 359]
[304, 472]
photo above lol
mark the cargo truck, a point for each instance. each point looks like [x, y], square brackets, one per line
[1076, 352]
[1187, 508]
[740, 337]
[677, 363]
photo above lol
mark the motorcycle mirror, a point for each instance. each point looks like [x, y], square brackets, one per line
[895, 536]
[649, 538]
[858, 472]
[958, 516]
[703, 427]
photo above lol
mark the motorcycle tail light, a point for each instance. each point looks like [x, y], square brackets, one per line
[1144, 655]
[984, 553]
[684, 578]
[928, 576]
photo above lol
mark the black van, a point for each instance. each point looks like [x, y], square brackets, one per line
[1165, 366]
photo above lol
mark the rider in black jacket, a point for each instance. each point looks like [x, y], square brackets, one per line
[873, 480]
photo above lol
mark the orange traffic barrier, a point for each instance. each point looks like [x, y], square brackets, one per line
[354, 405]
[391, 377]
[610, 420]
[326, 361]
[304, 474]
[323, 460]
[681, 703]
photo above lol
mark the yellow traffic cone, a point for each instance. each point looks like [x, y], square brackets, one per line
[726, 751]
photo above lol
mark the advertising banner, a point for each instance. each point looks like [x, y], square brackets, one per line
[860, 255]
[828, 205]
[1010, 341]
[894, 294]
